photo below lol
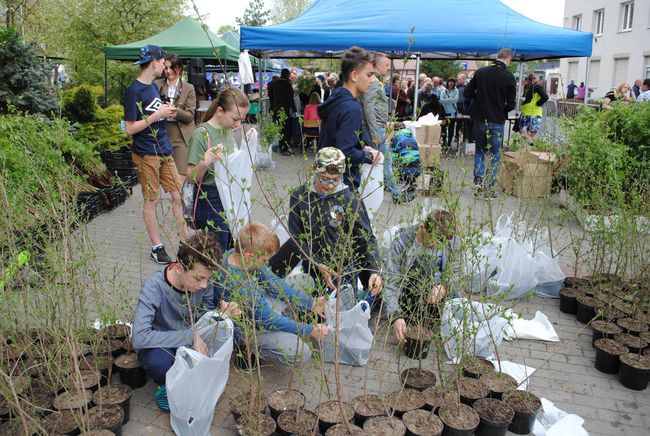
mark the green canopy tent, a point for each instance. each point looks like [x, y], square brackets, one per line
[187, 38]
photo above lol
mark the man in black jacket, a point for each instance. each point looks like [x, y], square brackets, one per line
[493, 89]
[330, 230]
[281, 99]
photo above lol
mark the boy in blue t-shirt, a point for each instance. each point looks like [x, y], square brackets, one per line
[144, 116]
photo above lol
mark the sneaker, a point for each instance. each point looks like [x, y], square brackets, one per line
[159, 255]
[286, 153]
[160, 396]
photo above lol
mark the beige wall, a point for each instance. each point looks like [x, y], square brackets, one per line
[618, 55]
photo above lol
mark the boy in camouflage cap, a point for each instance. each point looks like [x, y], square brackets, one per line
[324, 215]
[330, 160]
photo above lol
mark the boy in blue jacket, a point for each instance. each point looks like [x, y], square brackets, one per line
[267, 300]
[341, 115]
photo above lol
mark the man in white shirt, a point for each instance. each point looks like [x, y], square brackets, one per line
[645, 92]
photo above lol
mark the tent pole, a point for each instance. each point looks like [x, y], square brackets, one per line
[105, 82]
[519, 86]
[390, 93]
[417, 79]
[586, 97]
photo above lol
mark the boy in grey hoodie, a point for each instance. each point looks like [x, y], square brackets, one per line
[170, 301]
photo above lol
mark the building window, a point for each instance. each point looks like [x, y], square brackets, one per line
[599, 21]
[627, 15]
[577, 22]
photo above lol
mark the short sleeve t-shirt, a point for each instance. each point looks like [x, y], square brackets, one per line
[144, 99]
[199, 145]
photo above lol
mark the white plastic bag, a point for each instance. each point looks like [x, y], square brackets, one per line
[195, 381]
[521, 373]
[549, 275]
[515, 275]
[234, 176]
[538, 328]
[371, 189]
[355, 337]
[470, 327]
[556, 422]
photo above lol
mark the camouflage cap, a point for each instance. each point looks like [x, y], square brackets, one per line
[330, 160]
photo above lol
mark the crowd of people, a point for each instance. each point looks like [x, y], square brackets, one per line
[244, 275]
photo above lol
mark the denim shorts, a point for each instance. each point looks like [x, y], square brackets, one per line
[530, 123]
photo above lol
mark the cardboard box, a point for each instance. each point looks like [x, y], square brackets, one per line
[428, 135]
[527, 174]
[429, 155]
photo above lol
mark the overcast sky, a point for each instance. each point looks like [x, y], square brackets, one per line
[225, 11]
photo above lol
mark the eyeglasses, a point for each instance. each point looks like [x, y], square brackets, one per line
[332, 182]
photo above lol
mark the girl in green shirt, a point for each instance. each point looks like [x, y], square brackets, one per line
[207, 144]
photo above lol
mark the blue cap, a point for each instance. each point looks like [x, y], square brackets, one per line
[150, 53]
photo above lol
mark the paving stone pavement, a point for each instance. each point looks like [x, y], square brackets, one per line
[565, 374]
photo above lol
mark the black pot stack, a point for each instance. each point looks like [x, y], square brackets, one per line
[621, 337]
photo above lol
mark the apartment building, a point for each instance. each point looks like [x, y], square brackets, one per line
[621, 49]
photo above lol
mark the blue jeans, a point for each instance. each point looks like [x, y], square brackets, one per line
[487, 133]
[156, 362]
[211, 216]
[389, 177]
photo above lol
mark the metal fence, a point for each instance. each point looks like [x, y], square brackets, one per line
[553, 113]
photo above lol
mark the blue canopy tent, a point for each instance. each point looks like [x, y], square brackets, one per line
[431, 30]
[435, 30]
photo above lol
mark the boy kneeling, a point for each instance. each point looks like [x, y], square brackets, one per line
[420, 260]
[267, 300]
[169, 302]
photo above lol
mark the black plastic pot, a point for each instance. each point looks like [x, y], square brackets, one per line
[574, 282]
[282, 431]
[607, 361]
[275, 412]
[125, 404]
[471, 372]
[453, 431]
[361, 416]
[568, 302]
[416, 348]
[408, 380]
[602, 329]
[632, 377]
[586, 309]
[323, 425]
[133, 377]
[241, 430]
[491, 428]
[523, 420]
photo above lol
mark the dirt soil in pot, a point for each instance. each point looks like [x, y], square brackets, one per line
[461, 417]
[418, 379]
[384, 426]
[422, 422]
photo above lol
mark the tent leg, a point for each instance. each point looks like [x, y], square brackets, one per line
[417, 79]
[586, 98]
[105, 82]
[391, 109]
[519, 87]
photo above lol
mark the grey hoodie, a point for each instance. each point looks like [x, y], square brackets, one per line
[162, 314]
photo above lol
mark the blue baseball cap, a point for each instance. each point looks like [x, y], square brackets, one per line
[150, 53]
